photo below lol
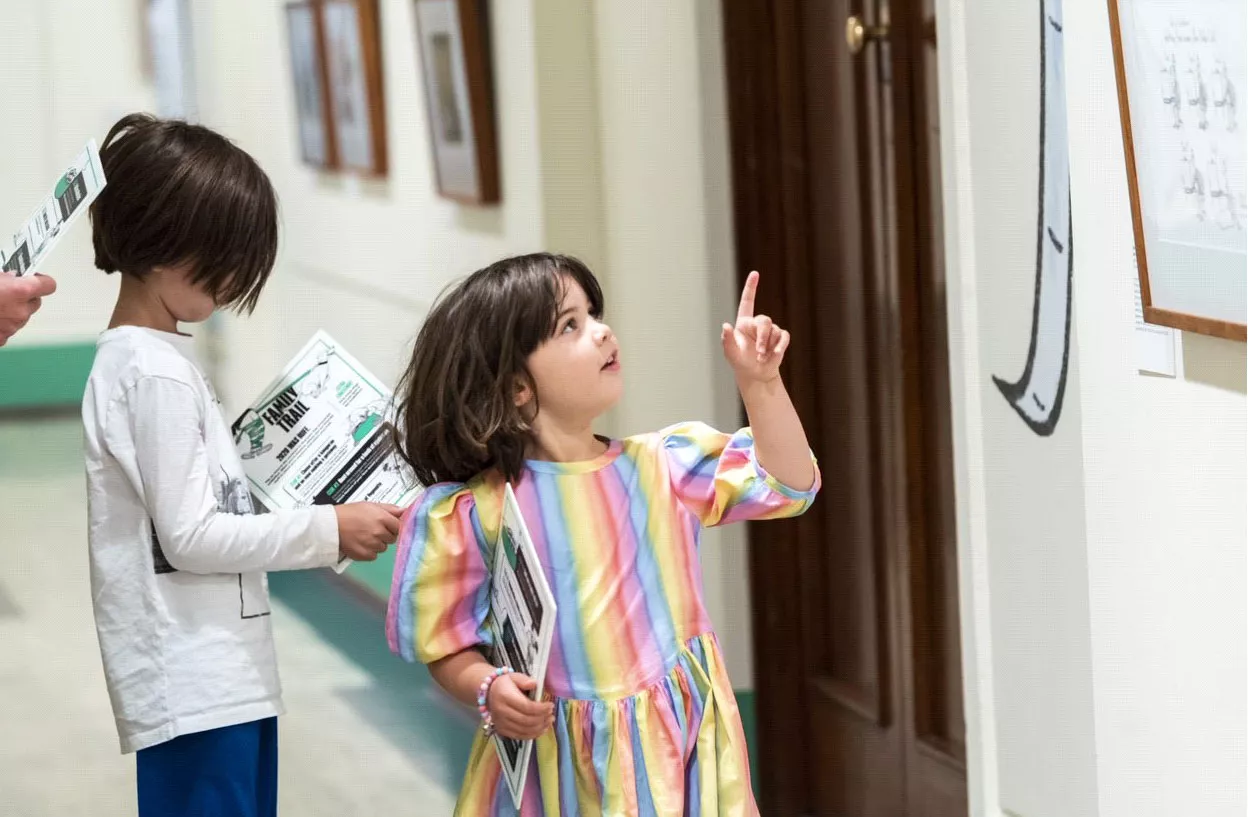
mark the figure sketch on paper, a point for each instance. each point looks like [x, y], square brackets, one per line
[1197, 95]
[1171, 96]
[1225, 202]
[1193, 181]
[1224, 96]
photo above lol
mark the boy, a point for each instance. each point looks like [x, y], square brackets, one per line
[177, 559]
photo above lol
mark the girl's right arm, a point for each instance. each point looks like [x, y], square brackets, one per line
[515, 714]
[439, 605]
[166, 421]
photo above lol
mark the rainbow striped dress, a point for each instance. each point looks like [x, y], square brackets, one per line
[645, 718]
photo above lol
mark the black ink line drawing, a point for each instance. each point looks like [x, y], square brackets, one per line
[1037, 395]
[312, 385]
[1197, 95]
[233, 495]
[251, 424]
[1224, 96]
[1170, 94]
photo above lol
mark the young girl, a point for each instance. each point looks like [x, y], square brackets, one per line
[508, 375]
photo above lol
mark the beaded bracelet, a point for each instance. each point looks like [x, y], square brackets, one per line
[487, 722]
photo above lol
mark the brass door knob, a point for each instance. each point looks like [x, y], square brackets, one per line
[858, 33]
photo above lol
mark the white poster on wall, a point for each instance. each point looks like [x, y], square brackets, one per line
[1186, 65]
[1157, 348]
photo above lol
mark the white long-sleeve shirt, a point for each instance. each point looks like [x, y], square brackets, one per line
[178, 560]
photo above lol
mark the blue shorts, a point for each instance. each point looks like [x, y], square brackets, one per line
[226, 772]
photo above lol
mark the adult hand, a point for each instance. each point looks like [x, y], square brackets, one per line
[19, 299]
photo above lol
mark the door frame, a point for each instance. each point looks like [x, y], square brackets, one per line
[763, 79]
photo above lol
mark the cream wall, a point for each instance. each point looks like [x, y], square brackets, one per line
[362, 259]
[613, 146]
[69, 71]
[1102, 567]
[1165, 474]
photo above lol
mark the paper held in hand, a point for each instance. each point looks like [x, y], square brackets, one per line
[69, 198]
[522, 622]
[321, 434]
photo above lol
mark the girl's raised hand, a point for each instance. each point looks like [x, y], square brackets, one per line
[754, 346]
[515, 714]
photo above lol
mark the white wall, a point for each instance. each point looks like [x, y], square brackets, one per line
[667, 207]
[67, 76]
[363, 259]
[1165, 475]
[613, 146]
[1102, 567]
[613, 135]
[1032, 486]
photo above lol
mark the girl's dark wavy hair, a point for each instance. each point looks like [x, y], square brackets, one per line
[456, 402]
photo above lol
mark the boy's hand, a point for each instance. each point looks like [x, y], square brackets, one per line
[754, 346]
[366, 529]
[515, 714]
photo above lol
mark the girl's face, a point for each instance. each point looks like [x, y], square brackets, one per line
[576, 372]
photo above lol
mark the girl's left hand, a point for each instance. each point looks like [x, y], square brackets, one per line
[754, 346]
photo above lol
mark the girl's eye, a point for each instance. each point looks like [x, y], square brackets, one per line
[569, 326]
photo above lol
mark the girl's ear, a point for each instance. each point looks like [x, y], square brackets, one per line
[524, 393]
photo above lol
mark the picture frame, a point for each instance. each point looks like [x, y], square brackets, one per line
[306, 44]
[456, 73]
[1179, 65]
[169, 58]
[353, 70]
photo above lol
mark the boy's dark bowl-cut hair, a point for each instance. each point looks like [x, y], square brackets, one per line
[178, 193]
[457, 400]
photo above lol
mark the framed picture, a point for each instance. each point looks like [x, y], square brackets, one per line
[356, 100]
[1180, 66]
[306, 38]
[459, 93]
[169, 58]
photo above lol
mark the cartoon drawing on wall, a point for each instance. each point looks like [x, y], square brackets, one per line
[251, 424]
[1193, 182]
[1224, 96]
[1225, 204]
[1037, 395]
[1197, 95]
[1170, 94]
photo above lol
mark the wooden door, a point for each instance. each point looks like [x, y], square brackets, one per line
[837, 197]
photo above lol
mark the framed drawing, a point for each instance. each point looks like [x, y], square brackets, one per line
[459, 96]
[1180, 65]
[356, 98]
[306, 38]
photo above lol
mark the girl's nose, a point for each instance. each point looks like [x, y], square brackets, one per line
[603, 332]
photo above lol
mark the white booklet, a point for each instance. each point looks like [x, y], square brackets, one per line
[522, 621]
[69, 198]
[322, 434]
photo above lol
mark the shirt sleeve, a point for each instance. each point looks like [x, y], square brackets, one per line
[166, 424]
[440, 591]
[717, 476]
